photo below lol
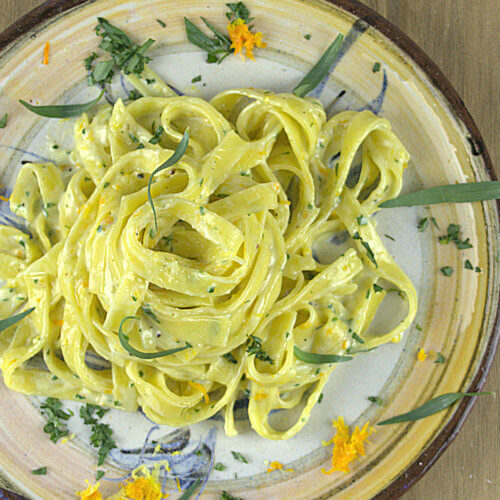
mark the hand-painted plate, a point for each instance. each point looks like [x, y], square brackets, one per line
[457, 314]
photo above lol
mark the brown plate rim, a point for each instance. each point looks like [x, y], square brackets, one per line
[429, 456]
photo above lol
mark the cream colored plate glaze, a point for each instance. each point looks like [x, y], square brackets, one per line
[456, 313]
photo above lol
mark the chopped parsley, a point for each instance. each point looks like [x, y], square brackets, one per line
[238, 456]
[52, 409]
[255, 348]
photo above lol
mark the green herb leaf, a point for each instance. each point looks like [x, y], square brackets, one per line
[219, 466]
[52, 409]
[432, 406]
[7, 322]
[447, 270]
[64, 111]
[255, 348]
[238, 456]
[320, 69]
[217, 48]
[99, 474]
[422, 224]
[454, 193]
[310, 357]
[468, 264]
[238, 10]
[440, 358]
[196, 79]
[227, 496]
[375, 399]
[176, 156]
[139, 354]
[3, 121]
[377, 288]
[229, 357]
[356, 337]
[376, 67]
[40, 472]
[161, 23]
[190, 491]
[103, 71]
[307, 36]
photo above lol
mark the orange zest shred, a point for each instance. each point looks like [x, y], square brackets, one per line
[58, 322]
[259, 396]
[3, 198]
[242, 39]
[46, 51]
[276, 466]
[91, 493]
[201, 388]
[347, 447]
[422, 355]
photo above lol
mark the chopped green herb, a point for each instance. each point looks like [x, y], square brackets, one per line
[320, 397]
[439, 359]
[230, 358]
[202, 210]
[219, 466]
[376, 67]
[433, 220]
[418, 327]
[99, 474]
[390, 237]
[161, 23]
[227, 496]
[3, 121]
[308, 36]
[128, 56]
[369, 252]
[477, 269]
[40, 472]
[375, 399]
[422, 224]
[105, 185]
[79, 396]
[238, 456]
[210, 289]
[362, 220]
[447, 270]
[255, 348]
[52, 409]
[190, 491]
[377, 288]
[196, 79]
[468, 264]
[238, 10]
[157, 134]
[432, 406]
[357, 338]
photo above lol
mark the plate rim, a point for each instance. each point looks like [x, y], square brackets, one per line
[433, 451]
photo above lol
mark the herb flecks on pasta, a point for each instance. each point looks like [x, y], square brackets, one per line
[236, 287]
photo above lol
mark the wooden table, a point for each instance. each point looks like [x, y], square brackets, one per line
[463, 38]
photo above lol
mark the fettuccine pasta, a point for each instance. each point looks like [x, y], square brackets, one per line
[233, 272]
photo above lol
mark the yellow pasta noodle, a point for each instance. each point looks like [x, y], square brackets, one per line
[234, 273]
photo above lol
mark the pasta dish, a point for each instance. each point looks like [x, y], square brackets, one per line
[247, 266]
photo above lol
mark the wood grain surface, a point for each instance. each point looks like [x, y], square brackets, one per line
[463, 38]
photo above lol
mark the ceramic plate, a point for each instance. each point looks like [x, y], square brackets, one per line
[456, 315]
